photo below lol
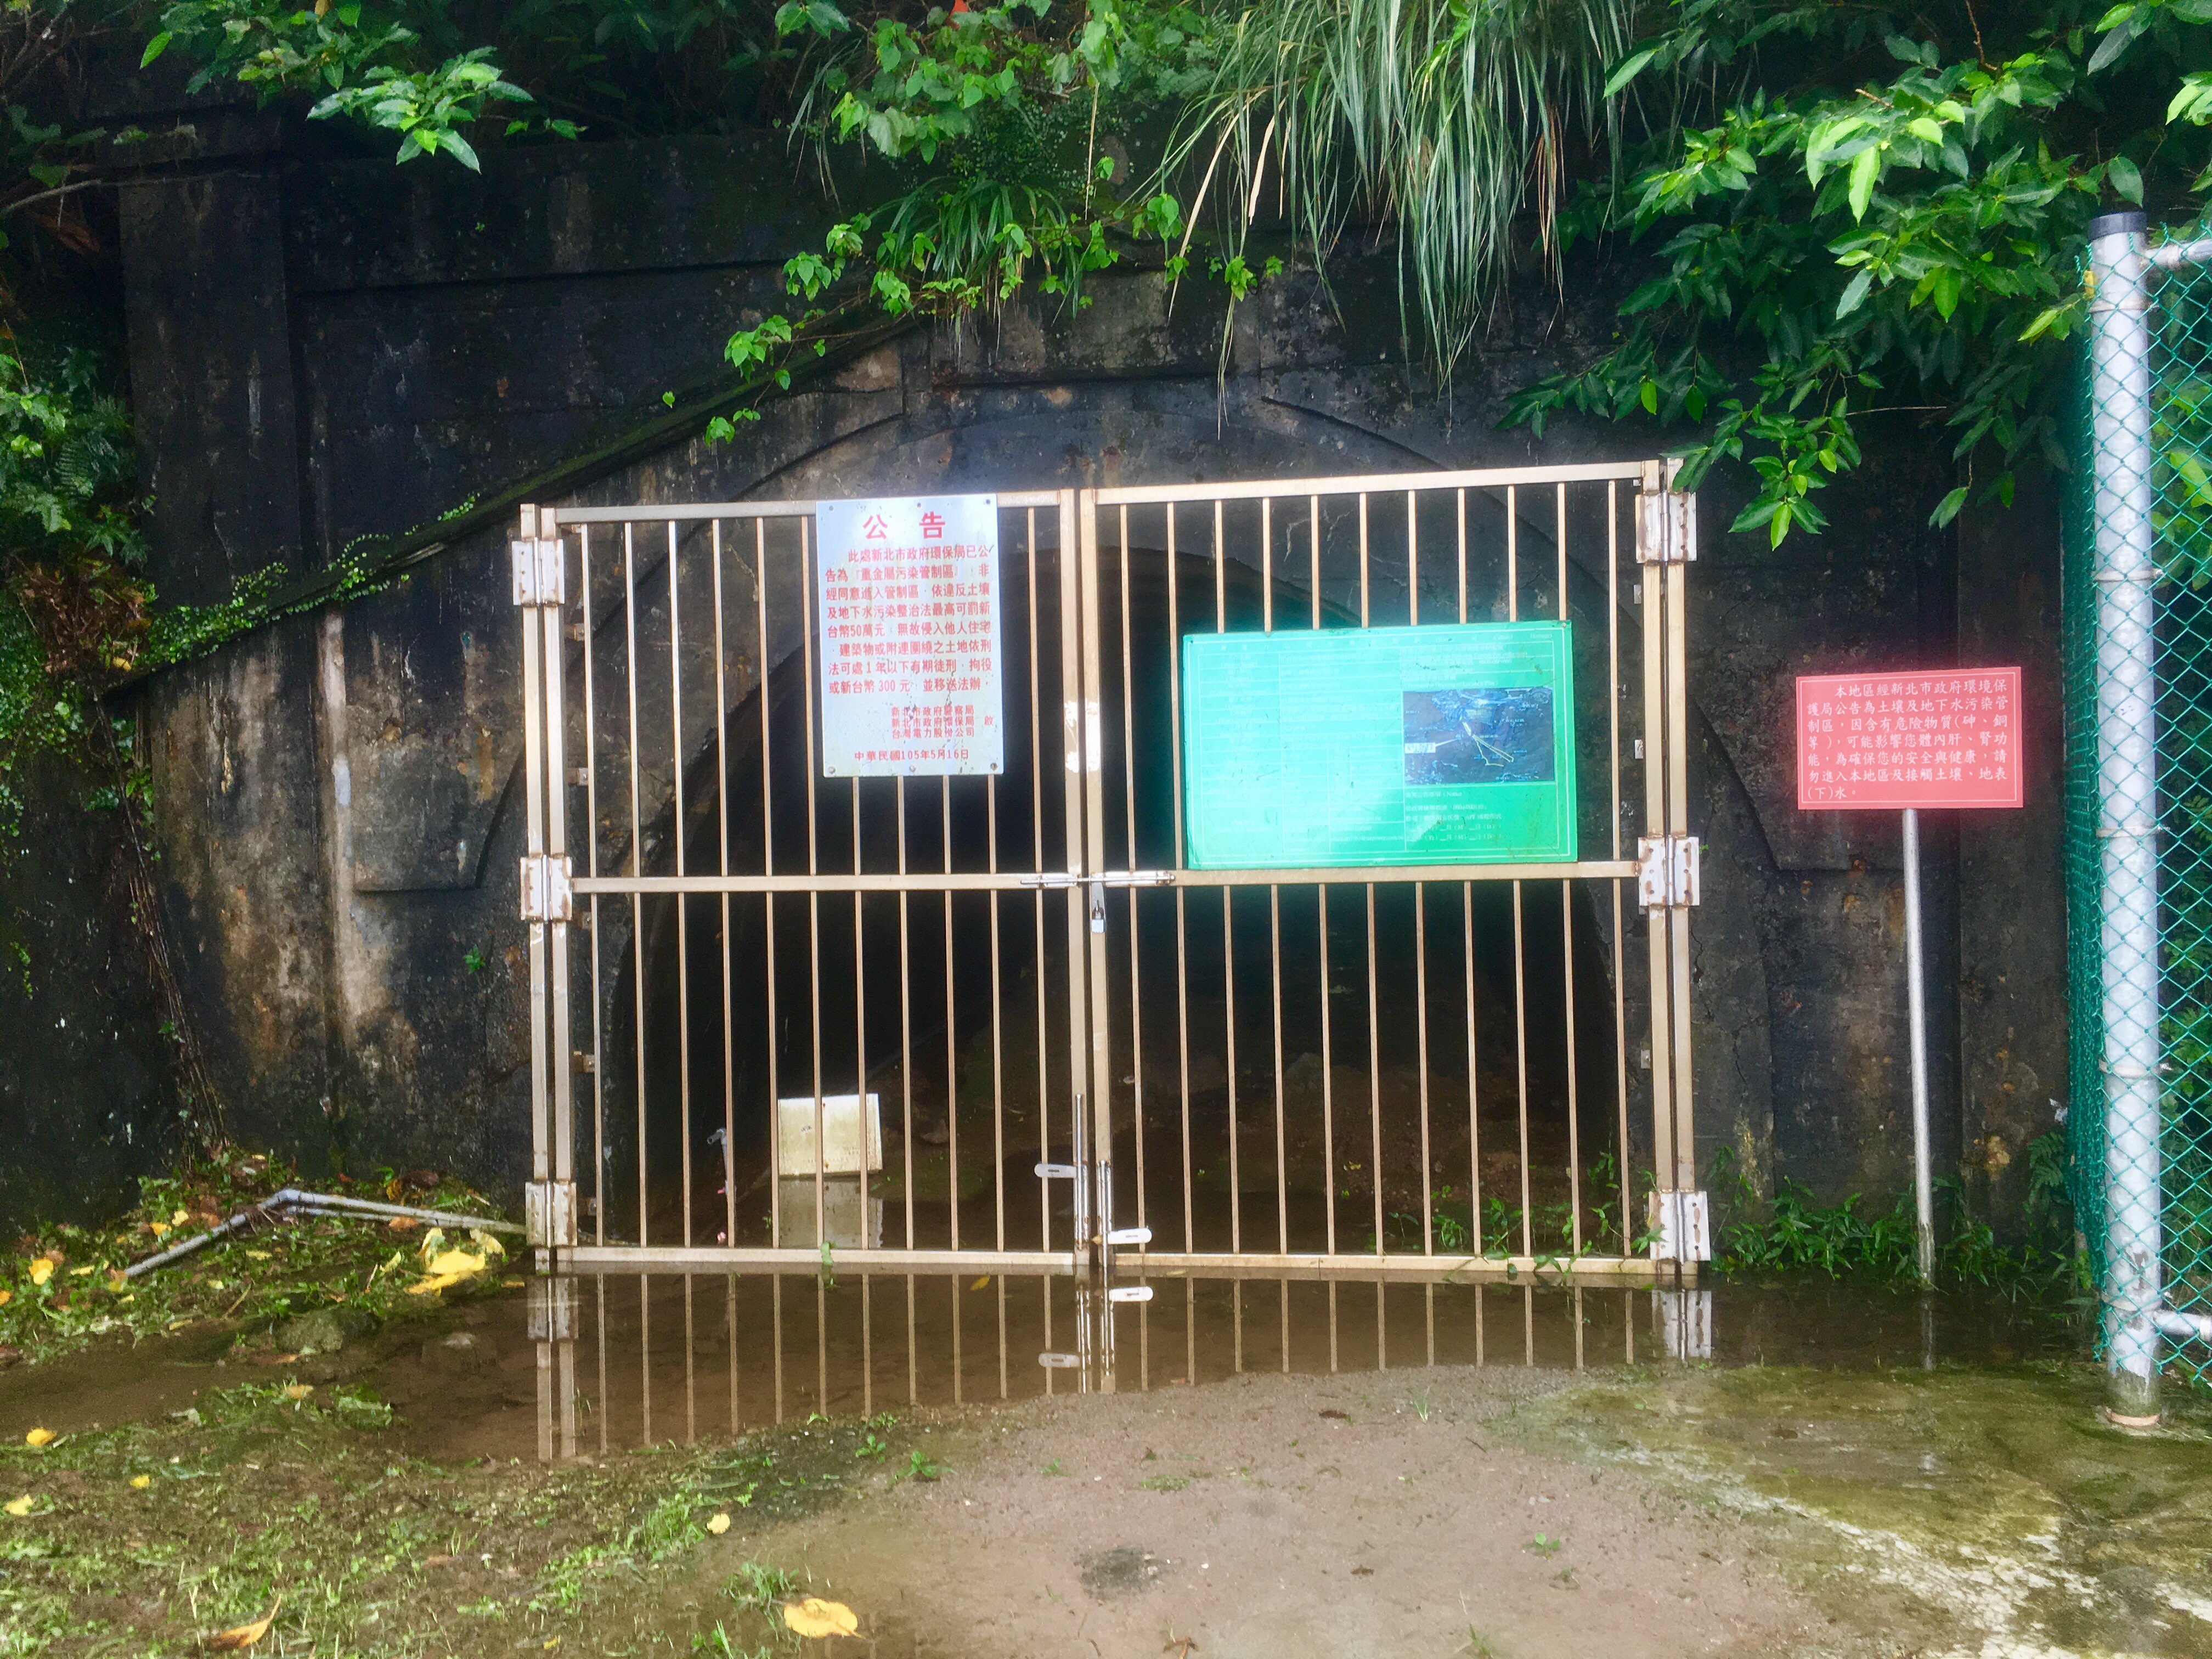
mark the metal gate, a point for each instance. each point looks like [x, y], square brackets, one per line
[1085, 1056]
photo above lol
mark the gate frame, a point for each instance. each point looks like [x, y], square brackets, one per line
[1666, 871]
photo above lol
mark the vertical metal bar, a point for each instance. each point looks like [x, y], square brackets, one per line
[1101, 1108]
[730, 1344]
[867, 1328]
[860, 1018]
[591, 867]
[1374, 1073]
[1036, 863]
[1616, 691]
[1467, 936]
[1923, 1192]
[2127, 806]
[813, 868]
[1182, 929]
[998, 1037]
[1275, 986]
[562, 1077]
[1076, 530]
[1229, 937]
[1655, 814]
[644, 1360]
[1321, 906]
[722, 822]
[1327, 1077]
[636, 901]
[533, 772]
[1420, 919]
[776, 1320]
[690, 1366]
[677, 817]
[1521, 1062]
[1678, 823]
[906, 1020]
[952, 1018]
[1129, 809]
[768, 900]
[1567, 946]
[599, 1287]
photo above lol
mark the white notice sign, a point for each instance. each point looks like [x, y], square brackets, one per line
[909, 609]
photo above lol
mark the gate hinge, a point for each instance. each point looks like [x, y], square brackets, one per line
[1666, 871]
[1666, 526]
[547, 894]
[1686, 1323]
[1680, 1225]
[549, 1213]
[541, 572]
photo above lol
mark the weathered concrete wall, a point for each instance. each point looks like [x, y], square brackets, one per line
[337, 792]
[85, 1094]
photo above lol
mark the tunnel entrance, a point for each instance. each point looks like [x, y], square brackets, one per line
[1060, 1030]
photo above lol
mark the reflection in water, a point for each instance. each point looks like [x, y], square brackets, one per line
[627, 1360]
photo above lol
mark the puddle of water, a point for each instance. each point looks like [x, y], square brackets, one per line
[693, 1358]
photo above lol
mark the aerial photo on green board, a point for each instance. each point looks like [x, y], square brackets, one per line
[1379, 745]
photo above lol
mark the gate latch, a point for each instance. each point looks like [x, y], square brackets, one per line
[1666, 871]
[541, 572]
[1680, 1224]
[547, 894]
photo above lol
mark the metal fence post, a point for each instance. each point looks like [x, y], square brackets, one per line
[2119, 369]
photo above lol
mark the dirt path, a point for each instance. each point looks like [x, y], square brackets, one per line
[1284, 1518]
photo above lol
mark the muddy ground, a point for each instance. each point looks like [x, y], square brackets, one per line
[390, 1496]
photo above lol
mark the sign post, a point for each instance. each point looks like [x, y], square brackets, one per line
[1902, 742]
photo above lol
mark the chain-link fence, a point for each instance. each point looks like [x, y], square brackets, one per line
[2138, 609]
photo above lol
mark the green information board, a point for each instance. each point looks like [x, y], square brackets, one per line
[1379, 745]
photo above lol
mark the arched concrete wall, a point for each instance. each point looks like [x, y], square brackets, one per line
[337, 793]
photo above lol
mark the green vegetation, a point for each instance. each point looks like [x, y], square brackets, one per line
[1793, 1234]
[62, 1285]
[152, 1537]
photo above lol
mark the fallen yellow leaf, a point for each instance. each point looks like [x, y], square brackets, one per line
[815, 1617]
[983, 1284]
[180, 1218]
[6, 1296]
[140, 1482]
[432, 1241]
[718, 1524]
[297, 1390]
[258, 1255]
[458, 1263]
[41, 1270]
[491, 1249]
[79, 1273]
[18, 1507]
[159, 1229]
[425, 1287]
[39, 1438]
[244, 1635]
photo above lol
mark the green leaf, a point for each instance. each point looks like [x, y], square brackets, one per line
[2125, 178]
[1865, 167]
[1629, 70]
[155, 47]
[1855, 294]
[1947, 509]
[1648, 395]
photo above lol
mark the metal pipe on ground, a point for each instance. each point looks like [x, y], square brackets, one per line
[294, 1200]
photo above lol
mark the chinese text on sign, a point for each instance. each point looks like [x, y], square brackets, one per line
[909, 618]
[1899, 740]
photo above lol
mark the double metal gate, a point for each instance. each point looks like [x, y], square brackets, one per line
[1090, 1057]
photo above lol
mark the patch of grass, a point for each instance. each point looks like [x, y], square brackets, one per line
[255, 1492]
[62, 1286]
[1164, 1482]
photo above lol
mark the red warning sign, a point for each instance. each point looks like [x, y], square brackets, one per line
[1895, 740]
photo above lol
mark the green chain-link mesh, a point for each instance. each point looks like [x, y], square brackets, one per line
[2181, 452]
